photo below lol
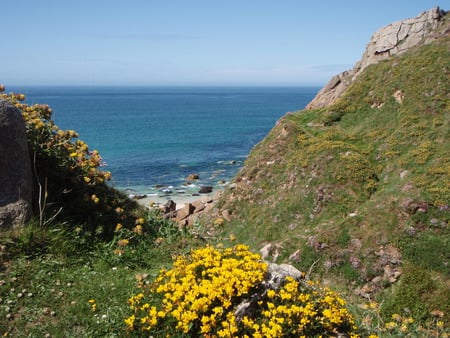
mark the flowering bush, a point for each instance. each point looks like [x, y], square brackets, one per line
[203, 293]
[68, 177]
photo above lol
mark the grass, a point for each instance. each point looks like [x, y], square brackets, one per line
[343, 181]
[50, 279]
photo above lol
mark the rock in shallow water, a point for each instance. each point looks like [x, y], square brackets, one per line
[205, 189]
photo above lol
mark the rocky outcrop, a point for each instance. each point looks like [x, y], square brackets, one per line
[393, 39]
[274, 279]
[15, 169]
[190, 212]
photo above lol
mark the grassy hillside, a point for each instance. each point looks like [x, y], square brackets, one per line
[359, 192]
[356, 194]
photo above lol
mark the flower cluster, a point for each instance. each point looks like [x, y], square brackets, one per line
[299, 309]
[202, 293]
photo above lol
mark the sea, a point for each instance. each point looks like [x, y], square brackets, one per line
[152, 138]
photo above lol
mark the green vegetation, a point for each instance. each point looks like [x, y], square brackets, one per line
[71, 269]
[76, 286]
[360, 188]
[356, 195]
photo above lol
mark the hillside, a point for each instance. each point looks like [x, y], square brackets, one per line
[358, 192]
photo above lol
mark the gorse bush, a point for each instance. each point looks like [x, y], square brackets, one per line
[204, 294]
[70, 184]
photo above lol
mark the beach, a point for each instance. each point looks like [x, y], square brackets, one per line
[180, 199]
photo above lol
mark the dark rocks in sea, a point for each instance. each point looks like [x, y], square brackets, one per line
[15, 169]
[192, 177]
[205, 189]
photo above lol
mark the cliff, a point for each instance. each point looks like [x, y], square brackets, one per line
[393, 39]
[357, 191]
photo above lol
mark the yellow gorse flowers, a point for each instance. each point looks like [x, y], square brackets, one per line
[199, 296]
[48, 137]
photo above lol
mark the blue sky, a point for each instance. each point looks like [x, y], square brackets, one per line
[189, 42]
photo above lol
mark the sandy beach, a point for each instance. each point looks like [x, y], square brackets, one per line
[179, 199]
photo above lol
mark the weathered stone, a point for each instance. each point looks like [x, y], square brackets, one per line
[275, 277]
[226, 214]
[169, 207]
[185, 211]
[199, 207]
[207, 199]
[411, 206]
[393, 39]
[399, 96]
[15, 169]
[205, 189]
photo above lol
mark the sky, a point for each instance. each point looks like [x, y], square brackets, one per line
[190, 42]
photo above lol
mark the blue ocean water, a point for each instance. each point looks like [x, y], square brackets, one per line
[157, 136]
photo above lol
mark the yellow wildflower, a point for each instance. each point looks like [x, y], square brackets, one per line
[138, 229]
[118, 227]
[123, 242]
[93, 304]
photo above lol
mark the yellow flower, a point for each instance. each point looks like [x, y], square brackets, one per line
[140, 220]
[93, 304]
[397, 317]
[219, 221]
[130, 321]
[271, 293]
[123, 242]
[118, 252]
[201, 290]
[390, 325]
[138, 229]
[118, 227]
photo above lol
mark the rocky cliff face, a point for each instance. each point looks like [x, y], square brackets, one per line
[393, 39]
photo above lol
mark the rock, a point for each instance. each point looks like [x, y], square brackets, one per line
[205, 189]
[393, 39]
[295, 256]
[137, 197]
[193, 177]
[274, 279]
[185, 212]
[199, 208]
[207, 199]
[265, 251]
[399, 96]
[411, 206]
[169, 207]
[198, 205]
[279, 272]
[233, 186]
[226, 215]
[16, 180]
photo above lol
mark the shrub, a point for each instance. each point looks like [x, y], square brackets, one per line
[204, 293]
[69, 182]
